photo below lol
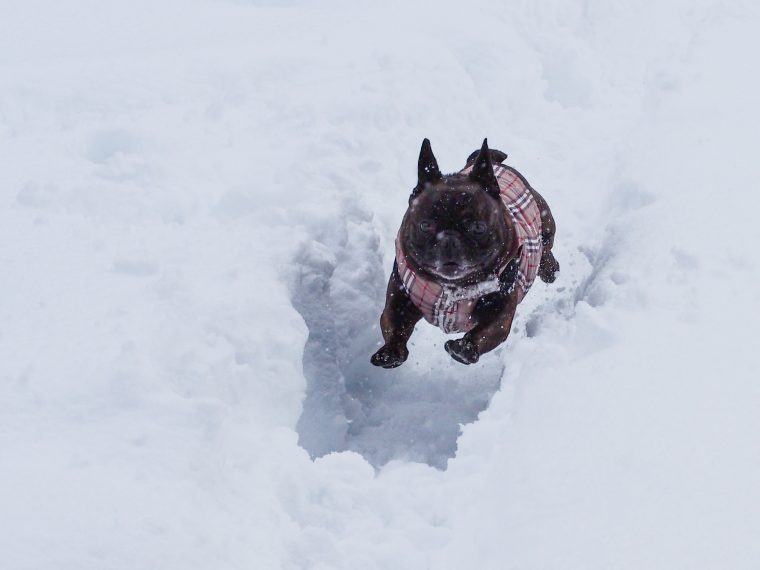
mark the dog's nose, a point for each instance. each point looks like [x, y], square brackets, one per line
[448, 240]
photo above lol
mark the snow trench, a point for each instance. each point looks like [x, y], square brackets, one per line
[414, 412]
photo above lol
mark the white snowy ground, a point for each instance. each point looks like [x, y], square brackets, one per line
[198, 201]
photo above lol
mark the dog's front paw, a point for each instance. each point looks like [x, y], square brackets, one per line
[548, 268]
[462, 350]
[390, 357]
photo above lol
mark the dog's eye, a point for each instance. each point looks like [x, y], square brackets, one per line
[426, 226]
[477, 228]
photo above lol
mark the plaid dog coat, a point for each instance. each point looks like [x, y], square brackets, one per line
[450, 307]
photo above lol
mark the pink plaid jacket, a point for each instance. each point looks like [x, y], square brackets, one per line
[450, 307]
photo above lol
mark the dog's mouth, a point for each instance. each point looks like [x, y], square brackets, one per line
[452, 270]
[448, 269]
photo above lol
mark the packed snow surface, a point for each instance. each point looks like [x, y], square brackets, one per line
[198, 202]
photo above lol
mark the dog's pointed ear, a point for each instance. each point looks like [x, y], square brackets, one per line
[482, 171]
[427, 166]
[427, 169]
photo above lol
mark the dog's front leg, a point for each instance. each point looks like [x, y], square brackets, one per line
[492, 329]
[396, 323]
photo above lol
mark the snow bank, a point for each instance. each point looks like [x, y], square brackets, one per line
[197, 211]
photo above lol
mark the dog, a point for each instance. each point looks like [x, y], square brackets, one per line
[468, 250]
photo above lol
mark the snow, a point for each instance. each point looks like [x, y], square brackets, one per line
[198, 202]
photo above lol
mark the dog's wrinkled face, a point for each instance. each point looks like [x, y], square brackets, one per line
[455, 230]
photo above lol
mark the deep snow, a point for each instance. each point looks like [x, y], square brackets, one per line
[198, 202]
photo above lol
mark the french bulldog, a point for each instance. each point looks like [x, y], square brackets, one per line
[469, 247]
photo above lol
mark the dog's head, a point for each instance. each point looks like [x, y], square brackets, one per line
[455, 230]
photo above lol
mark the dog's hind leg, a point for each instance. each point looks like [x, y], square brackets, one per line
[548, 266]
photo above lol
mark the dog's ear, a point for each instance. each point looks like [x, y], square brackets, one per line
[427, 168]
[482, 171]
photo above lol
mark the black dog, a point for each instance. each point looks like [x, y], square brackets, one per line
[468, 250]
